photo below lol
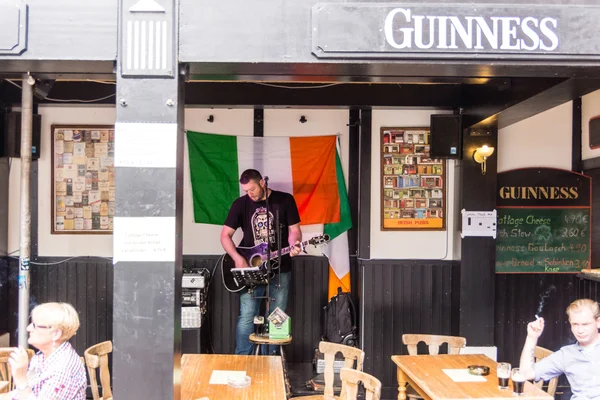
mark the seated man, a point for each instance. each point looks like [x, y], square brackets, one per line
[580, 362]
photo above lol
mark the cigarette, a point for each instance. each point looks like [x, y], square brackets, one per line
[537, 316]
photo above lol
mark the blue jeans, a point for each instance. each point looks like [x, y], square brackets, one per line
[250, 307]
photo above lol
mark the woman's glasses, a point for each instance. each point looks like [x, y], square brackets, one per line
[35, 326]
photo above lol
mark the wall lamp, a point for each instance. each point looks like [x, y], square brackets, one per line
[480, 156]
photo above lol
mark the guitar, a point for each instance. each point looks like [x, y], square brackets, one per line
[257, 258]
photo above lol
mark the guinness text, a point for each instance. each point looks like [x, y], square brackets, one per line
[403, 30]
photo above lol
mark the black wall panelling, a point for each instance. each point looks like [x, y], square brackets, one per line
[400, 297]
[588, 288]
[308, 295]
[519, 297]
[86, 283]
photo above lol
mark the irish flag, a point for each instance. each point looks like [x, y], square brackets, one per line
[307, 167]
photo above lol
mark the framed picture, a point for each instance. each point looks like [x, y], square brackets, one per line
[83, 179]
[413, 185]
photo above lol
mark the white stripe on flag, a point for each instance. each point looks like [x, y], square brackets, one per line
[337, 253]
[270, 156]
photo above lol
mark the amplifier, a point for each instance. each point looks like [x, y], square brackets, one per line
[319, 362]
[193, 281]
[191, 317]
[337, 366]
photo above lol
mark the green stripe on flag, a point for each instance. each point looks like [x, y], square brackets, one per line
[214, 175]
[337, 228]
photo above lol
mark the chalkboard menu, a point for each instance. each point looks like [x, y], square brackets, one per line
[543, 221]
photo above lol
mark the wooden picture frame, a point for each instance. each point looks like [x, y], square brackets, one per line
[83, 179]
[413, 185]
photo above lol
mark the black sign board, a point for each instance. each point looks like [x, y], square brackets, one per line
[544, 221]
[424, 31]
[594, 132]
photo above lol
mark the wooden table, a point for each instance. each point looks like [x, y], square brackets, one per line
[266, 373]
[424, 373]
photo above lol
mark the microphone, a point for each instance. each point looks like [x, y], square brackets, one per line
[266, 179]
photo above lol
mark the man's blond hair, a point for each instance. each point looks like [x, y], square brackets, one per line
[580, 304]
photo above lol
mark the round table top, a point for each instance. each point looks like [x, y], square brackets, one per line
[254, 338]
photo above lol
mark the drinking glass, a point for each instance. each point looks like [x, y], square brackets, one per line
[503, 372]
[518, 379]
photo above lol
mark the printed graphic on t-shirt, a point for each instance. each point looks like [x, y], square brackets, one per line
[259, 226]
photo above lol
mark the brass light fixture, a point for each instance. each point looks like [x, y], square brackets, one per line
[481, 154]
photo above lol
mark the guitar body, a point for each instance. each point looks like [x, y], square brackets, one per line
[254, 257]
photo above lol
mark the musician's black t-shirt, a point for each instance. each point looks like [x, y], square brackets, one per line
[252, 218]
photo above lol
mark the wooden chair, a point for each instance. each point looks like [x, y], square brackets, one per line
[351, 378]
[538, 354]
[455, 343]
[96, 358]
[5, 372]
[329, 350]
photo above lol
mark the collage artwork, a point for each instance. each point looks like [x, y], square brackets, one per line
[84, 179]
[413, 190]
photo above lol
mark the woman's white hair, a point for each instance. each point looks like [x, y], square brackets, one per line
[60, 316]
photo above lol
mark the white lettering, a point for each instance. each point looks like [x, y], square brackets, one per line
[466, 35]
[491, 36]
[405, 30]
[530, 33]
[442, 33]
[389, 29]
[509, 33]
[419, 32]
[549, 33]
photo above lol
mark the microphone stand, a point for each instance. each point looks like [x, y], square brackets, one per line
[269, 270]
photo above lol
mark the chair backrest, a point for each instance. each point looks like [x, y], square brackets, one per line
[5, 372]
[538, 354]
[455, 343]
[96, 358]
[351, 355]
[351, 378]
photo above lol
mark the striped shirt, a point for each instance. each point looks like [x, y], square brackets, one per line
[58, 377]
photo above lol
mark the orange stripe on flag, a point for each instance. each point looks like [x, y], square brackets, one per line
[314, 179]
[335, 283]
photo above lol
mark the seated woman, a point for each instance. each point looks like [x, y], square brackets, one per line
[55, 371]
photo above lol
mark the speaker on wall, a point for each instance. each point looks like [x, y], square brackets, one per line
[446, 136]
[10, 135]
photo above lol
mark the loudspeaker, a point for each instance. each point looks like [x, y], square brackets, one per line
[446, 136]
[10, 138]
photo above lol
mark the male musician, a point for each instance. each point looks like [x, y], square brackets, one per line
[249, 213]
[579, 361]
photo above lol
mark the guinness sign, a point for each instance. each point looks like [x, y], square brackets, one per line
[416, 30]
[543, 187]
[544, 221]
[405, 30]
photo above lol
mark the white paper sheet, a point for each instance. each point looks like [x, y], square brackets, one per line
[220, 377]
[463, 375]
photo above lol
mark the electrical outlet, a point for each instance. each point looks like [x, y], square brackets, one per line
[478, 223]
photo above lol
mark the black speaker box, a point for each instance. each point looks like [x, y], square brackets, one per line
[446, 136]
[10, 135]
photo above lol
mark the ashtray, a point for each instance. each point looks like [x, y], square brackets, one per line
[481, 370]
[239, 382]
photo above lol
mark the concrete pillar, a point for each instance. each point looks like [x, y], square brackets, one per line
[147, 247]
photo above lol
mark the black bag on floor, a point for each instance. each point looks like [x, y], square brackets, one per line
[340, 319]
